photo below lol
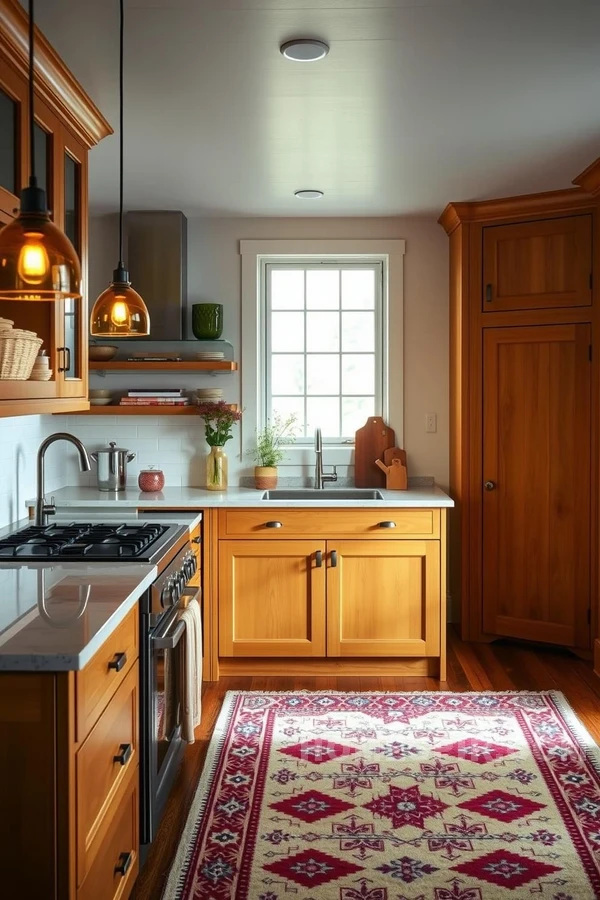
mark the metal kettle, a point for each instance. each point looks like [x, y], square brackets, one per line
[112, 467]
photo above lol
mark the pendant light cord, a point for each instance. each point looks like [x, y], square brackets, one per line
[32, 176]
[121, 34]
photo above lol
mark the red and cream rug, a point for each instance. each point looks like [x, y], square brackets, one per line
[431, 796]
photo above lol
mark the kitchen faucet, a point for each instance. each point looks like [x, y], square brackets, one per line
[320, 476]
[43, 509]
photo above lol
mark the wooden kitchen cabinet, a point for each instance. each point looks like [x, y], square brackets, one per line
[272, 598]
[524, 421]
[67, 125]
[353, 585]
[383, 598]
[71, 748]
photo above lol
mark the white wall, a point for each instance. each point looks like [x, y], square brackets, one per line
[20, 438]
[214, 275]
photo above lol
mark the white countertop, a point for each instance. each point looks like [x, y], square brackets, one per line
[199, 498]
[53, 617]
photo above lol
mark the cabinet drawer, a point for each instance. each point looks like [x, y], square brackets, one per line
[252, 523]
[118, 849]
[100, 773]
[105, 673]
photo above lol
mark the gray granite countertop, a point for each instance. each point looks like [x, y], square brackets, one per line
[54, 617]
[199, 498]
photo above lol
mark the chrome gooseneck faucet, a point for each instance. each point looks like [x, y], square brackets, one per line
[43, 509]
[320, 476]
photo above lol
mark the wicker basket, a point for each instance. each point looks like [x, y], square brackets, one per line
[18, 350]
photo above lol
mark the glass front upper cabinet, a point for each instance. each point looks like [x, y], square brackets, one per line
[72, 227]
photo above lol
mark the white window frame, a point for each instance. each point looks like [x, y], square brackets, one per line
[254, 255]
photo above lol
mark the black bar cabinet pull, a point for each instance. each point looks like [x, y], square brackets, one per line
[333, 559]
[124, 755]
[319, 558]
[62, 350]
[124, 864]
[488, 293]
[273, 525]
[387, 524]
[118, 662]
[67, 359]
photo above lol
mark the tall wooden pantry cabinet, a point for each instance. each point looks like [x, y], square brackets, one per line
[524, 385]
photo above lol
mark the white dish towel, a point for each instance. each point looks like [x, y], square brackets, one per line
[191, 670]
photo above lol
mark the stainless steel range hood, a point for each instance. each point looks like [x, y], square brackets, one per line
[157, 263]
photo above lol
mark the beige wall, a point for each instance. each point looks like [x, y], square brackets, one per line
[214, 275]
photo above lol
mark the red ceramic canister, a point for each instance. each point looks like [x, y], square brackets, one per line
[151, 480]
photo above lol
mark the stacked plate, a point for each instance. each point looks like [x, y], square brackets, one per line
[209, 394]
[41, 369]
[210, 354]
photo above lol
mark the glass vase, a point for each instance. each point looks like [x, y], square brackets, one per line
[216, 469]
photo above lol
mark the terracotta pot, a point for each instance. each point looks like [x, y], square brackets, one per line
[265, 478]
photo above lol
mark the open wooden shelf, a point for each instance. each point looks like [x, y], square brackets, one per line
[189, 365]
[191, 410]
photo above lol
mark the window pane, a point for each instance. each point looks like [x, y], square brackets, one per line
[287, 374]
[287, 289]
[287, 332]
[287, 406]
[323, 413]
[358, 331]
[358, 373]
[355, 412]
[8, 143]
[323, 374]
[358, 289]
[322, 331]
[323, 289]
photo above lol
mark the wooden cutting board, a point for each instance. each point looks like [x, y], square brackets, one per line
[371, 441]
[394, 453]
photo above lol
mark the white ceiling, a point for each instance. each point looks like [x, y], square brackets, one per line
[418, 102]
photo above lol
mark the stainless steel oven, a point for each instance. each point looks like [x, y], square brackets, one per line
[162, 634]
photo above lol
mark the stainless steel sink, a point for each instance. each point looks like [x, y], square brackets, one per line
[334, 494]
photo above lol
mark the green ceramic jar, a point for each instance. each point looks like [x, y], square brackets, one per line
[207, 321]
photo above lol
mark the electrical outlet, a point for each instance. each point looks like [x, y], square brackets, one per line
[431, 422]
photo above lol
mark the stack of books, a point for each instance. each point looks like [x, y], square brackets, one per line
[150, 397]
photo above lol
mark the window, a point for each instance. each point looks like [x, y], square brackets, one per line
[322, 336]
[324, 344]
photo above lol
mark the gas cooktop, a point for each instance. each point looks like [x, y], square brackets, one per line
[77, 541]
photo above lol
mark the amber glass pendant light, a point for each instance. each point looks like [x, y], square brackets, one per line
[37, 259]
[119, 311]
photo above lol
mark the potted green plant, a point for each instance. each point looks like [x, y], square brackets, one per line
[268, 451]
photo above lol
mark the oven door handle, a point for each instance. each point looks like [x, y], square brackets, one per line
[169, 639]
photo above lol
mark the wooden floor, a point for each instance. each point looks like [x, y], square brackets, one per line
[502, 666]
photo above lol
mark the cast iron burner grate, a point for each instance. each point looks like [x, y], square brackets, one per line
[81, 541]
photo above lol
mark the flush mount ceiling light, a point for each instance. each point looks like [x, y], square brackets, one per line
[304, 50]
[308, 195]
[37, 259]
[120, 311]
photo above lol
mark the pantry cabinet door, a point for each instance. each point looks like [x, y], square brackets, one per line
[538, 265]
[383, 598]
[536, 489]
[272, 598]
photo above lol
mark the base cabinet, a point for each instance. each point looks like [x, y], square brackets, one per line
[69, 784]
[327, 598]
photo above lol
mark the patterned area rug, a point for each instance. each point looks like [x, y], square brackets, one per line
[431, 796]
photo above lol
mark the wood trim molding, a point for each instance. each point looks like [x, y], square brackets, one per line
[547, 203]
[589, 179]
[54, 82]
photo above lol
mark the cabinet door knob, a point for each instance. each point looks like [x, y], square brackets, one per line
[124, 754]
[273, 525]
[124, 864]
[490, 485]
[387, 524]
[118, 661]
